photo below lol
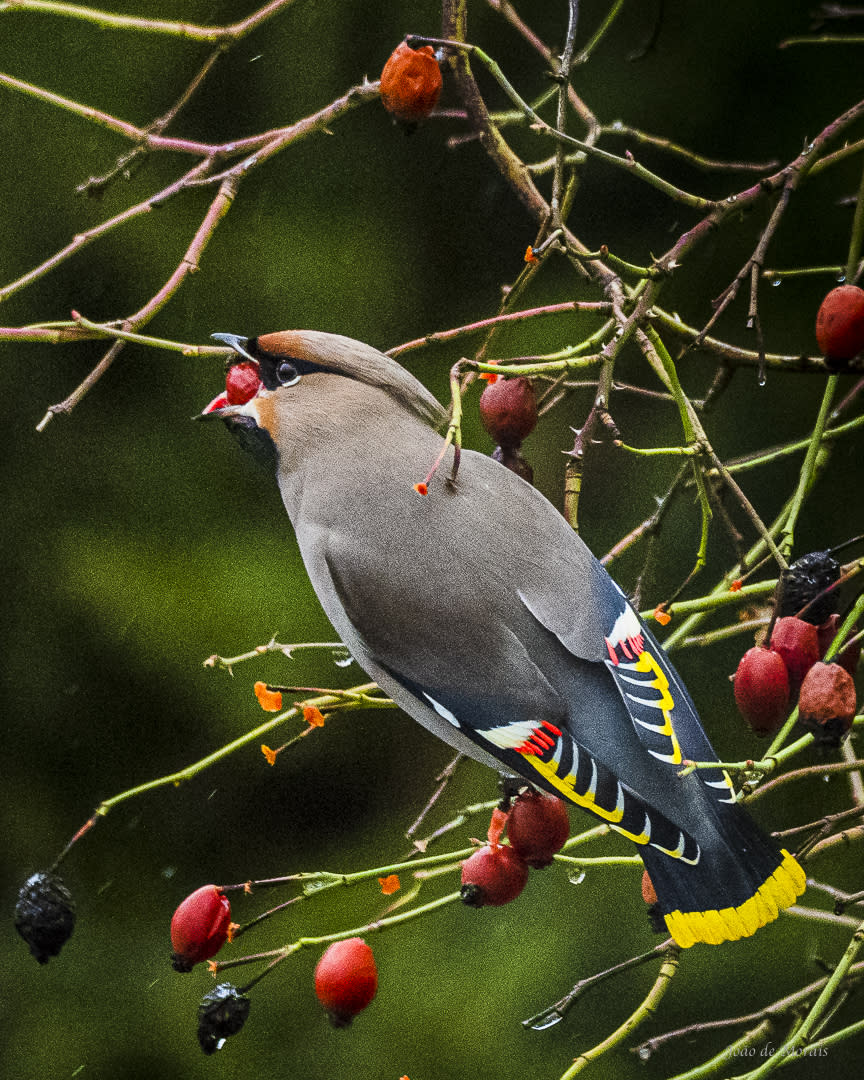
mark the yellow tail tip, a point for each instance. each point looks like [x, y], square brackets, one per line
[777, 892]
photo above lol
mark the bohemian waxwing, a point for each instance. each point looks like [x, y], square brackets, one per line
[480, 612]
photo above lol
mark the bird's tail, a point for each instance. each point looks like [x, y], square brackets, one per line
[742, 881]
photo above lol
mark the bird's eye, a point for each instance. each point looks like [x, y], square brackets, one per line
[287, 374]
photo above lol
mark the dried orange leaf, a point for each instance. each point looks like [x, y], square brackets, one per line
[269, 700]
[389, 884]
[662, 615]
[313, 716]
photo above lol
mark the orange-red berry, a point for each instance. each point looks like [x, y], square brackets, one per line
[199, 927]
[840, 323]
[346, 980]
[797, 642]
[538, 827]
[649, 894]
[826, 705]
[762, 690]
[411, 82]
[493, 876]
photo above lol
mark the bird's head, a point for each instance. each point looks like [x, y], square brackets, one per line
[307, 380]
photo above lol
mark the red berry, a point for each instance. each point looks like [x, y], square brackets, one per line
[649, 894]
[508, 409]
[797, 642]
[827, 702]
[411, 82]
[242, 382]
[199, 927]
[538, 827]
[840, 323]
[346, 979]
[762, 690]
[493, 876]
[850, 656]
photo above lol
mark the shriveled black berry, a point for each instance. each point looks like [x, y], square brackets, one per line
[45, 914]
[222, 1013]
[806, 578]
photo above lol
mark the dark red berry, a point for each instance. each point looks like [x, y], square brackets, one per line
[807, 579]
[346, 979]
[538, 827]
[826, 705]
[242, 382]
[762, 690]
[798, 643]
[411, 82]
[493, 876]
[221, 1014]
[850, 655]
[44, 914]
[508, 409]
[840, 323]
[199, 927]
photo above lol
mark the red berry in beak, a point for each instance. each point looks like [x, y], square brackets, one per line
[762, 690]
[346, 980]
[797, 642]
[242, 382]
[840, 323]
[538, 827]
[493, 876]
[199, 927]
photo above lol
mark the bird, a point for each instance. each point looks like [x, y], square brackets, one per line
[484, 616]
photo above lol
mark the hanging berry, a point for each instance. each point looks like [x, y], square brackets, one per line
[411, 83]
[538, 827]
[797, 641]
[493, 876]
[508, 410]
[221, 1014]
[346, 980]
[826, 705]
[199, 927]
[840, 323]
[45, 914]
[761, 690]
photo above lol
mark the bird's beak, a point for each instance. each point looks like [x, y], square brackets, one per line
[237, 343]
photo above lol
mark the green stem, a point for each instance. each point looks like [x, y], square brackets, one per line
[642, 1013]
[108, 20]
[798, 1040]
[808, 474]
[857, 235]
[341, 935]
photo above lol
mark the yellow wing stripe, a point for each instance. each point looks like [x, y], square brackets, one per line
[778, 891]
[646, 663]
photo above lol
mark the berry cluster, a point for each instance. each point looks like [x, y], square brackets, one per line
[769, 680]
[537, 826]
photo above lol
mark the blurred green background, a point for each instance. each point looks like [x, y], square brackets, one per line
[136, 543]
